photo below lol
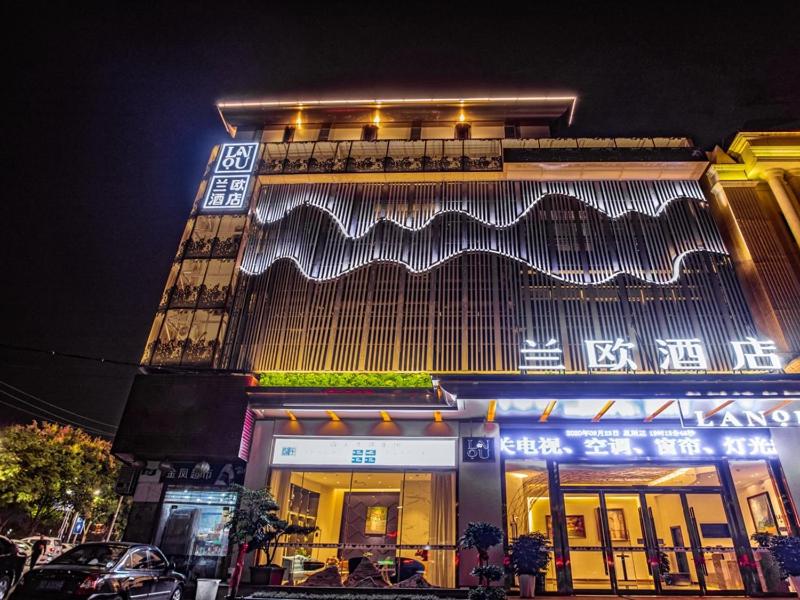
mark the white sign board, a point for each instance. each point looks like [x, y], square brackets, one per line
[364, 452]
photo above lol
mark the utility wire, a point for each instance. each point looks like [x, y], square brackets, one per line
[124, 363]
[43, 412]
[85, 418]
[40, 416]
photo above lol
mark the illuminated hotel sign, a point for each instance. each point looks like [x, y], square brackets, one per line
[735, 418]
[364, 452]
[683, 354]
[227, 188]
[629, 442]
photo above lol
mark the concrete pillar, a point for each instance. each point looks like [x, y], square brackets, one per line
[479, 496]
[774, 178]
[787, 443]
[256, 476]
[793, 180]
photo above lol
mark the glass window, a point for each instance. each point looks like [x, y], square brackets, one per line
[187, 287]
[172, 337]
[403, 521]
[136, 560]
[192, 530]
[638, 475]
[216, 284]
[762, 511]
[528, 505]
[758, 498]
[156, 560]
[205, 230]
[92, 554]
[229, 235]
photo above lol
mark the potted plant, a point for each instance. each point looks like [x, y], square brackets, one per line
[769, 572]
[528, 557]
[481, 536]
[255, 525]
[786, 550]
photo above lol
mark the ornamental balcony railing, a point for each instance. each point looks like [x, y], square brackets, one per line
[383, 156]
[211, 247]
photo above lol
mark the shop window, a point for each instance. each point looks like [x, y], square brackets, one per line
[758, 498]
[763, 513]
[638, 475]
[192, 530]
[402, 521]
[528, 505]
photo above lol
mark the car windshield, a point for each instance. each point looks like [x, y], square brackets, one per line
[101, 555]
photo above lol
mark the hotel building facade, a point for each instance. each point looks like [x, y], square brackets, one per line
[405, 315]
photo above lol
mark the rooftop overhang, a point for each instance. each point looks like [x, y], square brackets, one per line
[621, 387]
[528, 109]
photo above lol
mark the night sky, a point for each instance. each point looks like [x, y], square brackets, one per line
[111, 119]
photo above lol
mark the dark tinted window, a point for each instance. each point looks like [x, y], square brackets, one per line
[156, 560]
[102, 555]
[137, 560]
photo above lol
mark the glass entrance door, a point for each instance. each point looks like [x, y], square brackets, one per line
[591, 559]
[626, 535]
[672, 541]
[717, 555]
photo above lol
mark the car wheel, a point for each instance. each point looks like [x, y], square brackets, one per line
[177, 593]
[5, 585]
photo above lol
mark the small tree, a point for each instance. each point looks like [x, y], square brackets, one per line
[255, 525]
[481, 536]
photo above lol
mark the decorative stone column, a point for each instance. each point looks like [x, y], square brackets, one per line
[774, 178]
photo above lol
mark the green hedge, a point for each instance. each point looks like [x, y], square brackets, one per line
[326, 379]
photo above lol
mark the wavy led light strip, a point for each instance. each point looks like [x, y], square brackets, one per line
[335, 218]
[676, 267]
[272, 209]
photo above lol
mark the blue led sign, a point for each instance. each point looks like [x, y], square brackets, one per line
[631, 442]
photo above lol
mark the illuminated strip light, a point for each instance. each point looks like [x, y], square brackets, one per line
[658, 411]
[385, 417]
[261, 220]
[778, 406]
[676, 267]
[491, 410]
[606, 407]
[300, 104]
[333, 415]
[282, 203]
[291, 415]
[547, 411]
[714, 411]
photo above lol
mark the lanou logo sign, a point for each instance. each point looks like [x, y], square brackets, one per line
[227, 188]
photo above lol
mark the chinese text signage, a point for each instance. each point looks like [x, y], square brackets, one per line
[682, 354]
[227, 188]
[364, 452]
[630, 442]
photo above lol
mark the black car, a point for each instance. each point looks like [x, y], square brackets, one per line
[110, 570]
[12, 561]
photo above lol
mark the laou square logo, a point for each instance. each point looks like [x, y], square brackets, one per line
[236, 158]
[363, 456]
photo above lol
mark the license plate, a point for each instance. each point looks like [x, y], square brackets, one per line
[50, 585]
